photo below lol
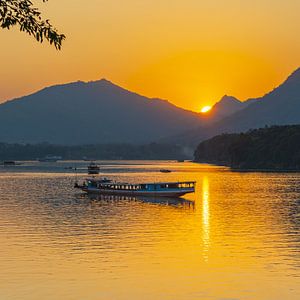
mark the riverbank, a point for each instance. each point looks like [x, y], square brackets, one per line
[275, 148]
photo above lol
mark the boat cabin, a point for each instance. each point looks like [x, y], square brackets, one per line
[140, 187]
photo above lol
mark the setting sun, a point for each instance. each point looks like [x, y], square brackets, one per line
[205, 109]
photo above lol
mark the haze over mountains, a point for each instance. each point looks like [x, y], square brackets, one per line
[100, 112]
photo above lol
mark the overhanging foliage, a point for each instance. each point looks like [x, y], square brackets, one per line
[23, 14]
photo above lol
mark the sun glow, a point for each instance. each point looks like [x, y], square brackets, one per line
[205, 109]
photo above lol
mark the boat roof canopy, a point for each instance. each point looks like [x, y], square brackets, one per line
[125, 183]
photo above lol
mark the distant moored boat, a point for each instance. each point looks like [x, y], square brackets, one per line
[165, 171]
[50, 158]
[93, 169]
[10, 163]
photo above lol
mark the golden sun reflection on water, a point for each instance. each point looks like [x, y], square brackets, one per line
[205, 217]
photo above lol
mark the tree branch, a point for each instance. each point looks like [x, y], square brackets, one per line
[22, 13]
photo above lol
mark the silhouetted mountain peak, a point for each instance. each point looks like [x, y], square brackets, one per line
[106, 86]
[226, 99]
[226, 106]
[103, 82]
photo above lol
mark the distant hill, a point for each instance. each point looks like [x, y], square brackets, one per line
[276, 147]
[98, 112]
[279, 107]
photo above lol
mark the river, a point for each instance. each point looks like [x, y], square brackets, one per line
[237, 237]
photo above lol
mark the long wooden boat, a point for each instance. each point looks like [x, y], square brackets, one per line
[158, 189]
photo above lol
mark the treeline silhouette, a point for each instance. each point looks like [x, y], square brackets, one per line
[275, 147]
[113, 151]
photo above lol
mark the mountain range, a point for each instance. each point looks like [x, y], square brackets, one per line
[100, 112]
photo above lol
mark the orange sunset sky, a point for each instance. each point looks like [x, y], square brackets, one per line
[190, 52]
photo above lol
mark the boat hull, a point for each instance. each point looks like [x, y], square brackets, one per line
[168, 193]
[93, 172]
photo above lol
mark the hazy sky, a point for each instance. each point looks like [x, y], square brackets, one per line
[190, 52]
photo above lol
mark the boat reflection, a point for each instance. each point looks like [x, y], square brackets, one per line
[180, 202]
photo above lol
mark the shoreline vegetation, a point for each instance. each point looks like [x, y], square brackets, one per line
[152, 151]
[275, 148]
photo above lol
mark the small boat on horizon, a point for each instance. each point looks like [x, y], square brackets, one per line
[85, 158]
[156, 189]
[165, 171]
[69, 168]
[50, 158]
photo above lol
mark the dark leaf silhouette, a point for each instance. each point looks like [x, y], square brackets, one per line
[28, 18]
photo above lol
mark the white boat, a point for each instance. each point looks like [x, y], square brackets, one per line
[158, 189]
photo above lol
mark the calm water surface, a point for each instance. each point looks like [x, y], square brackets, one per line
[237, 237]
